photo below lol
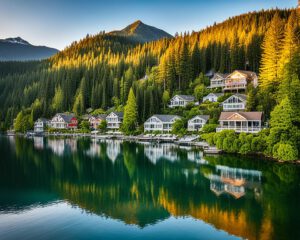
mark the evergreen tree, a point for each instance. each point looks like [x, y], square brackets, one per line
[58, 100]
[130, 114]
[272, 46]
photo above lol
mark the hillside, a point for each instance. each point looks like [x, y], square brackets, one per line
[141, 33]
[98, 71]
[17, 49]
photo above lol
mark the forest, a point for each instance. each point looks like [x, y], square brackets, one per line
[97, 72]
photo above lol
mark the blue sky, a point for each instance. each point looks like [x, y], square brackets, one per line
[57, 23]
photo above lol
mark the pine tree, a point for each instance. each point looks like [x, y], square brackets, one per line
[58, 100]
[283, 115]
[130, 114]
[272, 46]
[290, 43]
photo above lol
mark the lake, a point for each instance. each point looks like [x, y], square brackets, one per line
[81, 188]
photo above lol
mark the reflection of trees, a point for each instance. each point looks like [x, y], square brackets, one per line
[136, 191]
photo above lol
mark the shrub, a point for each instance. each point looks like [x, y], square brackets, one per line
[208, 128]
[285, 152]
[245, 148]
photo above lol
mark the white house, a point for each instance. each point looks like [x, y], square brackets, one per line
[212, 97]
[114, 120]
[40, 125]
[238, 80]
[218, 80]
[196, 123]
[64, 121]
[181, 100]
[161, 123]
[236, 102]
[248, 122]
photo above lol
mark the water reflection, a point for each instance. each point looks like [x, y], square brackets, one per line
[144, 184]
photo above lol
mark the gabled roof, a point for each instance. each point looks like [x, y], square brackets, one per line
[205, 117]
[66, 116]
[242, 97]
[248, 74]
[101, 116]
[165, 118]
[216, 94]
[42, 120]
[119, 114]
[255, 116]
[221, 75]
[186, 97]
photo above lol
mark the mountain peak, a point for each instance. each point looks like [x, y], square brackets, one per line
[17, 40]
[141, 32]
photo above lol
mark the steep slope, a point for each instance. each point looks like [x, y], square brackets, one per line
[140, 32]
[17, 49]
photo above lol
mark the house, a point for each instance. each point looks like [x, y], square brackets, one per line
[212, 97]
[197, 122]
[238, 80]
[64, 121]
[181, 100]
[218, 80]
[161, 123]
[236, 102]
[40, 125]
[114, 120]
[96, 120]
[248, 122]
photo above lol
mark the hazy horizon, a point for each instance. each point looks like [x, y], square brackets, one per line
[58, 23]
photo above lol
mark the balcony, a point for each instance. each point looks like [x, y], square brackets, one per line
[240, 129]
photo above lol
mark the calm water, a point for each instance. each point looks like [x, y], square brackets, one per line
[55, 188]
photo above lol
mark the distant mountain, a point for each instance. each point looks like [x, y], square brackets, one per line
[140, 32]
[17, 49]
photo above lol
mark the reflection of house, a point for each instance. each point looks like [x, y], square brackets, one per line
[64, 121]
[40, 125]
[196, 123]
[95, 149]
[238, 80]
[212, 97]
[249, 122]
[114, 120]
[196, 156]
[233, 180]
[161, 123]
[181, 100]
[235, 103]
[61, 146]
[160, 151]
[113, 149]
[38, 142]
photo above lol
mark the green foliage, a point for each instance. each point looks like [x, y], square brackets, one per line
[102, 126]
[285, 152]
[57, 102]
[130, 114]
[23, 122]
[85, 125]
[166, 98]
[208, 128]
[200, 91]
[178, 127]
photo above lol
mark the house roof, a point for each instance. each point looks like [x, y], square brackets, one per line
[223, 75]
[165, 118]
[247, 115]
[216, 94]
[101, 116]
[43, 120]
[248, 74]
[119, 114]
[186, 97]
[66, 116]
[205, 117]
[243, 97]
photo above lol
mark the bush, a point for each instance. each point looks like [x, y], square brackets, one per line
[285, 152]
[178, 127]
[245, 148]
[208, 128]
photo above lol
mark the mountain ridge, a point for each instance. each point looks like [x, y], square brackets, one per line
[18, 49]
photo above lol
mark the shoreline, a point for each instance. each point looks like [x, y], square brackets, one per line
[159, 138]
